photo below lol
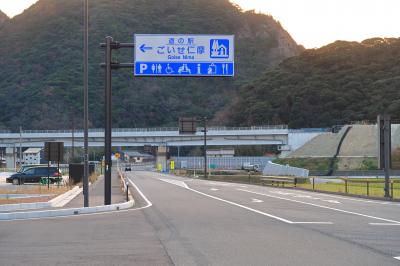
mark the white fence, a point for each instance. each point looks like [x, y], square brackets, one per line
[221, 163]
[284, 170]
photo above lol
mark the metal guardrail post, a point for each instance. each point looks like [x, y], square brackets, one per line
[391, 188]
[313, 183]
[127, 191]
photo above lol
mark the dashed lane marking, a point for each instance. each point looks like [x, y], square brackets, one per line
[256, 200]
[384, 224]
[322, 206]
[239, 205]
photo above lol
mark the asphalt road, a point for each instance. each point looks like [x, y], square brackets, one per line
[182, 221]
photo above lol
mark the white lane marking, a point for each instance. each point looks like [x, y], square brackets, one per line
[214, 189]
[256, 200]
[245, 207]
[383, 224]
[303, 196]
[349, 198]
[332, 201]
[321, 206]
[312, 223]
[174, 182]
[148, 202]
[397, 258]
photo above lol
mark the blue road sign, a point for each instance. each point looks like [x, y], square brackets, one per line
[184, 55]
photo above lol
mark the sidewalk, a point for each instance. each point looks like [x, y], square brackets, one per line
[96, 193]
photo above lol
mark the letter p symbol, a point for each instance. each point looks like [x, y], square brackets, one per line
[143, 67]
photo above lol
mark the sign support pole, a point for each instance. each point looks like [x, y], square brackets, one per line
[109, 45]
[108, 125]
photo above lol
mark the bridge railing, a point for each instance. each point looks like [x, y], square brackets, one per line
[157, 129]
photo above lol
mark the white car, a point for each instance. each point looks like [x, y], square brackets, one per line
[251, 167]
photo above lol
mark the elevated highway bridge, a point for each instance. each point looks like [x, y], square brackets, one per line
[131, 137]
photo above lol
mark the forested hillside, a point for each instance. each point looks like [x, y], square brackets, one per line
[336, 84]
[3, 18]
[41, 61]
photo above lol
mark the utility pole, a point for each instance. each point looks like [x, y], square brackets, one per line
[108, 124]
[205, 148]
[86, 102]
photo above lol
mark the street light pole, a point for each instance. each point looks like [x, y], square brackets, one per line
[86, 102]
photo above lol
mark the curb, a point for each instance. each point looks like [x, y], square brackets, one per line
[65, 212]
[58, 201]
[24, 206]
[124, 181]
[63, 199]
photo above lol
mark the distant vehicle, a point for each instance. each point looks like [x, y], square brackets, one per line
[251, 167]
[128, 168]
[33, 175]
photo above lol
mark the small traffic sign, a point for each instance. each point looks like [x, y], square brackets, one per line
[184, 55]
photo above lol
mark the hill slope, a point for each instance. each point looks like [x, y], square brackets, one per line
[336, 84]
[42, 49]
[3, 18]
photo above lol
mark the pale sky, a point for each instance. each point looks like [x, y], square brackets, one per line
[15, 7]
[312, 23]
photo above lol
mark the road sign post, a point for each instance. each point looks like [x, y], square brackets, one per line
[53, 151]
[184, 55]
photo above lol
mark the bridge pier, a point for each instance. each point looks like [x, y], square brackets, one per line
[161, 158]
[11, 157]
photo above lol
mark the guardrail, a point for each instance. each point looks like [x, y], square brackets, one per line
[310, 130]
[367, 188]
